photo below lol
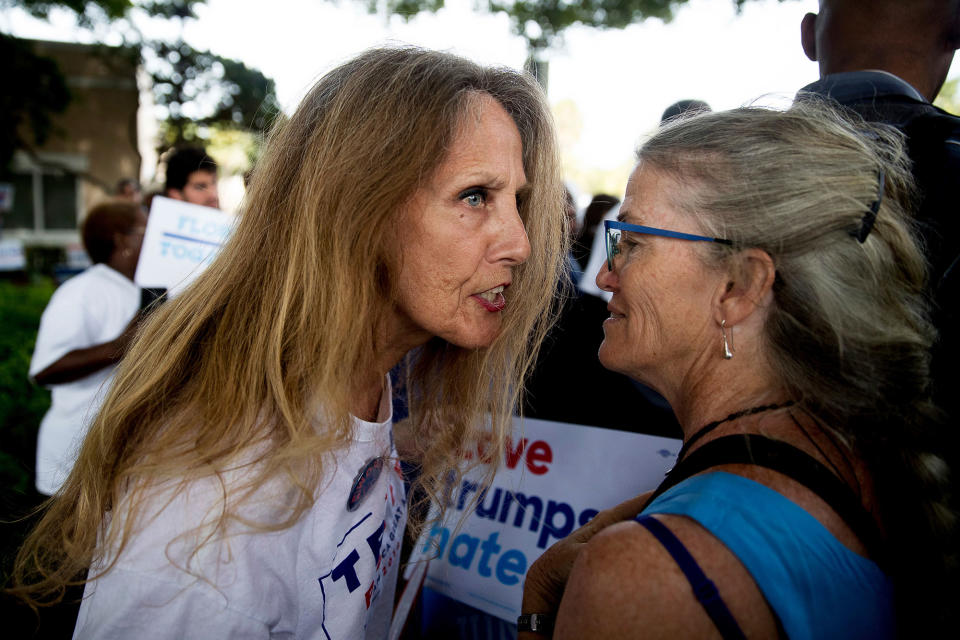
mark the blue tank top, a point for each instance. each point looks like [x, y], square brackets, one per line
[816, 586]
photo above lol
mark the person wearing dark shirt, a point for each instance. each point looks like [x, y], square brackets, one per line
[887, 60]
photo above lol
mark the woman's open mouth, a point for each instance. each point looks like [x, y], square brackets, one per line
[492, 299]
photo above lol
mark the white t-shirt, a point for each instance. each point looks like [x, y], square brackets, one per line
[331, 576]
[89, 309]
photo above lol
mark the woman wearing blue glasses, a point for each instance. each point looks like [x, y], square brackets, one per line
[764, 279]
[241, 480]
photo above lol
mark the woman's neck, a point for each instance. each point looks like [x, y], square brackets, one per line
[367, 397]
[394, 339]
[728, 388]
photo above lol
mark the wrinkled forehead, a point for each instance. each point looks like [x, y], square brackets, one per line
[656, 196]
[468, 124]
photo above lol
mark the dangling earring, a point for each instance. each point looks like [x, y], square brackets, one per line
[727, 346]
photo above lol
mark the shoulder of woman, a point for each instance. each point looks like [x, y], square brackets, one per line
[625, 584]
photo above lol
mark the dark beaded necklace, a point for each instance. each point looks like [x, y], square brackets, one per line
[707, 428]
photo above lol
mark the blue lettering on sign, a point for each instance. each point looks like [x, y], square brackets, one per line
[549, 520]
[463, 558]
[180, 251]
[550, 528]
[523, 502]
[552, 518]
[489, 547]
[177, 236]
[509, 566]
[210, 228]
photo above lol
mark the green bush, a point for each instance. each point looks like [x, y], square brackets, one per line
[43, 260]
[22, 403]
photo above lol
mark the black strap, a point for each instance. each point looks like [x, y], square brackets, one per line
[791, 462]
[703, 587]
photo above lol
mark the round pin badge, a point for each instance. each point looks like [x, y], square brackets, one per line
[364, 482]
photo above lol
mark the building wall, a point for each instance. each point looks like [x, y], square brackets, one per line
[94, 140]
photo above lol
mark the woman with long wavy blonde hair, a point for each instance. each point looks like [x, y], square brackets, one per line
[241, 479]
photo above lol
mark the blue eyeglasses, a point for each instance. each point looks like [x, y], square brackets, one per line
[612, 229]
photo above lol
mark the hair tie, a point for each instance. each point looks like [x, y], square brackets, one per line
[866, 224]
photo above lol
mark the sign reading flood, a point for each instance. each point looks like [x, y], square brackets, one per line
[180, 241]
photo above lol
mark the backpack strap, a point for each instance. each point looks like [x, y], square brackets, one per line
[791, 462]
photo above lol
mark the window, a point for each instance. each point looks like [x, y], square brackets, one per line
[46, 192]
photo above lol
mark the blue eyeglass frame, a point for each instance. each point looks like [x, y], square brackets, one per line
[612, 226]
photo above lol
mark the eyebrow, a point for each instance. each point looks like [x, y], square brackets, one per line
[623, 215]
[494, 182]
[497, 183]
[481, 179]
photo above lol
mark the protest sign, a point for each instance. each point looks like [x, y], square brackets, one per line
[181, 240]
[6, 196]
[554, 478]
[12, 255]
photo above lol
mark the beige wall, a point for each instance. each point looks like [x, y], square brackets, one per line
[101, 121]
[98, 131]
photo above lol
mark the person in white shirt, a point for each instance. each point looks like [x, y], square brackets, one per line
[241, 480]
[84, 331]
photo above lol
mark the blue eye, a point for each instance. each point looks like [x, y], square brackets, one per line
[474, 196]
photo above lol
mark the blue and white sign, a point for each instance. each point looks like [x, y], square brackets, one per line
[12, 255]
[6, 196]
[181, 240]
[554, 478]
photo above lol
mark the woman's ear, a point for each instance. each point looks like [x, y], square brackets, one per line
[749, 286]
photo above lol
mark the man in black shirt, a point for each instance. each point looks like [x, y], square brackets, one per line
[887, 60]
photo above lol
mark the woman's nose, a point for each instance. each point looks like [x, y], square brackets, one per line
[512, 246]
[607, 280]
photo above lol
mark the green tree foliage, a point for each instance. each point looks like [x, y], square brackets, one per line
[541, 22]
[234, 95]
[197, 89]
[96, 11]
[88, 11]
[171, 8]
[36, 91]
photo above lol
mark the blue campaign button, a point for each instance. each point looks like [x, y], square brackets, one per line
[364, 482]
